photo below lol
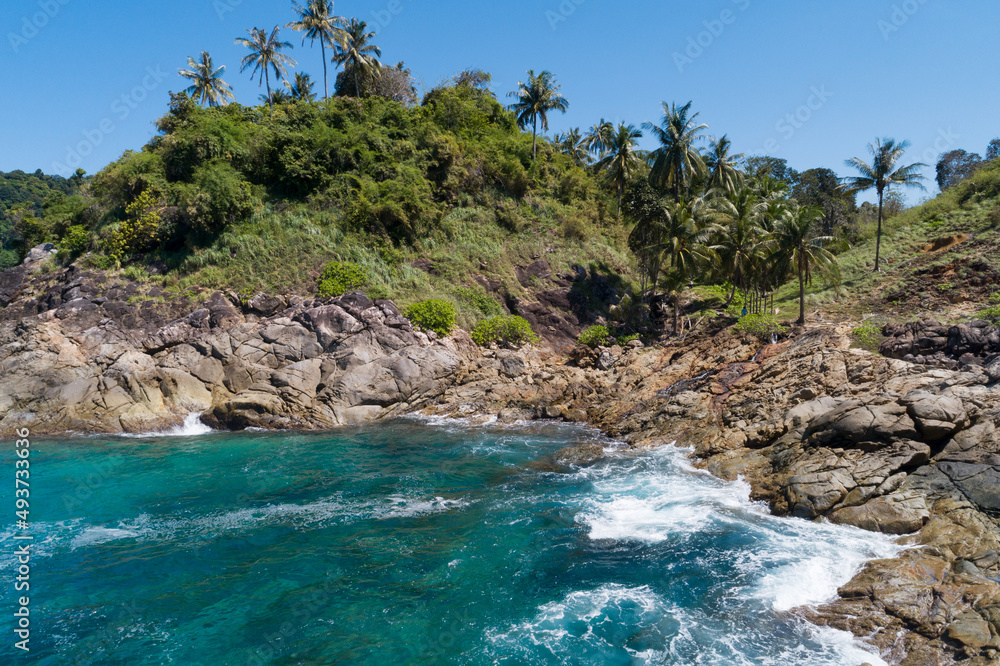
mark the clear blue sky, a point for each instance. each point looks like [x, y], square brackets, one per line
[95, 74]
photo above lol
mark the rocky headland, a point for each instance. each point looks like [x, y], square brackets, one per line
[906, 446]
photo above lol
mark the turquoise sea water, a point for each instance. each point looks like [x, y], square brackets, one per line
[412, 542]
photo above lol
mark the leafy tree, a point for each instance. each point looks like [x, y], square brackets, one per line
[301, 89]
[265, 54]
[956, 166]
[883, 173]
[739, 249]
[534, 101]
[355, 49]
[993, 150]
[794, 250]
[622, 157]
[758, 166]
[392, 83]
[820, 188]
[676, 162]
[207, 85]
[474, 78]
[316, 21]
[724, 173]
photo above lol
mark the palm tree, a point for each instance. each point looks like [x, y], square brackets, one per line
[739, 249]
[207, 84]
[276, 97]
[302, 88]
[598, 139]
[677, 160]
[621, 159]
[265, 54]
[534, 101]
[316, 21]
[573, 144]
[722, 167]
[794, 250]
[354, 48]
[882, 174]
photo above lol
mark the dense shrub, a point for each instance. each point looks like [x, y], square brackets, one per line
[480, 300]
[139, 232]
[74, 243]
[503, 329]
[762, 326]
[216, 197]
[868, 335]
[596, 336]
[433, 315]
[340, 277]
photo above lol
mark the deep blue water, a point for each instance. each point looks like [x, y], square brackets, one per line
[412, 542]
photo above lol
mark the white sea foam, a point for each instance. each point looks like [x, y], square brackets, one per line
[192, 427]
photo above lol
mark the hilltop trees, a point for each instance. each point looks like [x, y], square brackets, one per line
[535, 98]
[316, 21]
[356, 50]
[955, 166]
[265, 55]
[883, 173]
[621, 158]
[207, 86]
[677, 161]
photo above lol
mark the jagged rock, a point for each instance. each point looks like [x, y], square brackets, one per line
[39, 253]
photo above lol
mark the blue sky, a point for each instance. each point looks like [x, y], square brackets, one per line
[813, 82]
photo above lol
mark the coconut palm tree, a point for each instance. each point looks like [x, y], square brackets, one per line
[301, 89]
[265, 54]
[355, 49]
[276, 97]
[573, 143]
[207, 86]
[739, 249]
[598, 139]
[723, 172]
[676, 162]
[794, 250]
[316, 21]
[534, 101]
[621, 157]
[882, 174]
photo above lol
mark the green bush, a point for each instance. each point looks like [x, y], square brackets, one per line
[762, 326]
[74, 243]
[508, 329]
[217, 197]
[433, 315]
[624, 340]
[868, 335]
[480, 300]
[340, 277]
[596, 336]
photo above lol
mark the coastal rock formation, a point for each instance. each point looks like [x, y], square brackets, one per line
[314, 364]
[931, 343]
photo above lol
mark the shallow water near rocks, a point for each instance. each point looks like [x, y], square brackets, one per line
[415, 542]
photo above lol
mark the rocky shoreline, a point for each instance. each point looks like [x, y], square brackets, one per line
[818, 429]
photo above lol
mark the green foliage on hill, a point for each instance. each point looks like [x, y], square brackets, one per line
[25, 200]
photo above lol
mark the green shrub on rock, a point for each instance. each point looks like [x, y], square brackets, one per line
[762, 326]
[503, 329]
[480, 300]
[340, 277]
[433, 315]
[596, 336]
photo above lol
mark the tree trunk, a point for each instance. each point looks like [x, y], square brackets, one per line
[267, 82]
[621, 192]
[677, 312]
[878, 236]
[732, 295]
[322, 46]
[534, 135]
[802, 294]
[357, 85]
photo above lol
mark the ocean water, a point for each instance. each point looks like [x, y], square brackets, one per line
[412, 542]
